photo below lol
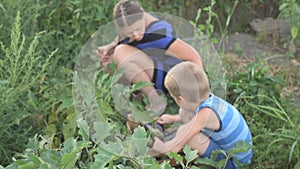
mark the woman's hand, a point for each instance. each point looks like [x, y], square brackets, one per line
[105, 53]
[168, 119]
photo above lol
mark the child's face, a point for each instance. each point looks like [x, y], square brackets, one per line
[177, 101]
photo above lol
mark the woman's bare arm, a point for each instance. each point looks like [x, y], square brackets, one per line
[184, 51]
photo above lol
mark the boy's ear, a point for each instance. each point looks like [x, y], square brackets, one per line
[181, 99]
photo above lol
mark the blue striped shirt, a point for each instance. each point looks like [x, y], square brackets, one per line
[233, 127]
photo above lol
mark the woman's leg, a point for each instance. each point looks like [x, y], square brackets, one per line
[138, 67]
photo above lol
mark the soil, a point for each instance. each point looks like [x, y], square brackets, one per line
[246, 46]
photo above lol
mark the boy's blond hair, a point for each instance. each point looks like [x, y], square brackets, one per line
[188, 80]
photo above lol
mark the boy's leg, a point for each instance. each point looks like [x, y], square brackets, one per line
[206, 146]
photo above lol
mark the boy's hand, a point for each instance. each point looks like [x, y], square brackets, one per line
[168, 119]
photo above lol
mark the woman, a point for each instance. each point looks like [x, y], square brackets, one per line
[146, 47]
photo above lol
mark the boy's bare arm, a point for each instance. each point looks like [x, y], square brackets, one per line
[184, 134]
[168, 119]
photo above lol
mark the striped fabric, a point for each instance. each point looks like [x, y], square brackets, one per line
[233, 127]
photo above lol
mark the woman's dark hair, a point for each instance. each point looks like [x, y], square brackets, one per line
[127, 12]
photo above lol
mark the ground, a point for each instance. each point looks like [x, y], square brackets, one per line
[245, 46]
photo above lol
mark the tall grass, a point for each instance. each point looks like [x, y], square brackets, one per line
[20, 72]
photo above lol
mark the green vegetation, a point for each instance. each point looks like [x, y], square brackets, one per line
[39, 44]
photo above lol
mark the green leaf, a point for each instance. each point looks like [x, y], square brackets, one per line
[102, 131]
[178, 158]
[102, 158]
[2, 7]
[51, 157]
[116, 76]
[71, 152]
[83, 129]
[206, 161]
[28, 165]
[51, 129]
[140, 141]
[155, 166]
[238, 90]
[166, 165]
[142, 116]
[139, 132]
[292, 150]
[297, 165]
[189, 154]
[294, 32]
[67, 102]
[140, 85]
[201, 27]
[69, 125]
[240, 147]
[123, 167]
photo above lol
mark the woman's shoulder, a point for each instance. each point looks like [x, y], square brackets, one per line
[159, 23]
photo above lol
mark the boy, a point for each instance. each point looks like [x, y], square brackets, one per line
[216, 124]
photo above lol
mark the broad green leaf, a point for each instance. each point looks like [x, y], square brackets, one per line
[102, 158]
[140, 145]
[102, 131]
[149, 162]
[67, 102]
[178, 158]
[139, 132]
[69, 125]
[189, 154]
[140, 141]
[83, 129]
[68, 160]
[51, 157]
[28, 165]
[142, 116]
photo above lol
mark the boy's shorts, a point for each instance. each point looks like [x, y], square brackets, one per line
[230, 163]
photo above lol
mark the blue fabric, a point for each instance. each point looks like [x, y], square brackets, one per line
[233, 127]
[158, 35]
[212, 147]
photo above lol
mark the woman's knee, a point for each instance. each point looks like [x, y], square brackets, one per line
[124, 51]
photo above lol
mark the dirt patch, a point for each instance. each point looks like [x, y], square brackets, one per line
[247, 47]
